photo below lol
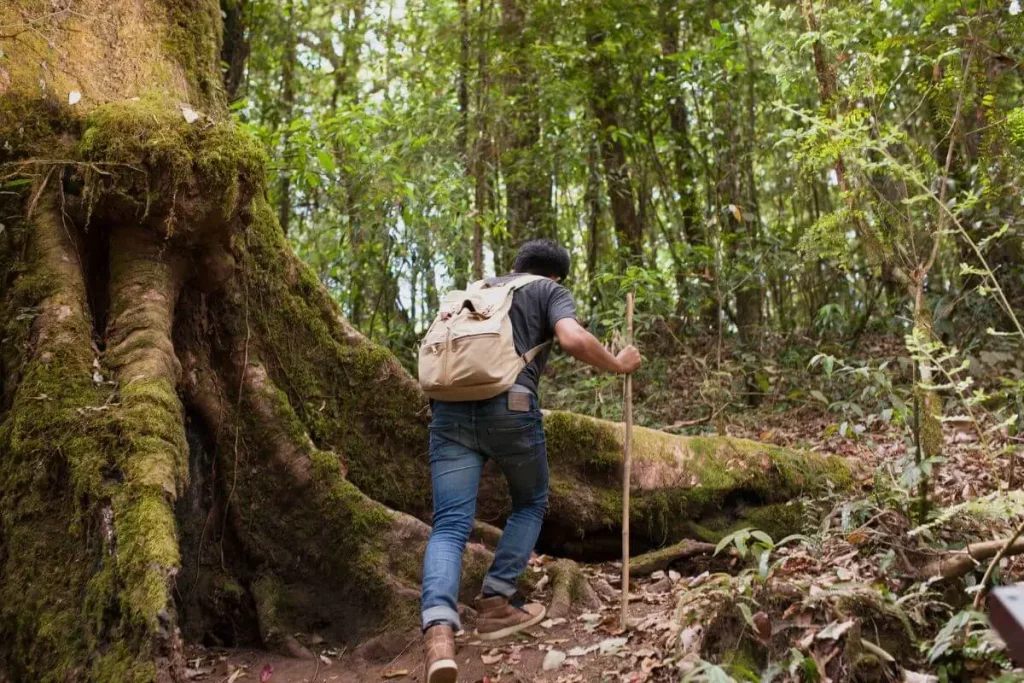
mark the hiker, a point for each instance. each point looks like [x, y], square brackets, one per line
[480, 362]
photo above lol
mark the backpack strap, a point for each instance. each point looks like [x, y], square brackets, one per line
[532, 353]
[521, 281]
[517, 282]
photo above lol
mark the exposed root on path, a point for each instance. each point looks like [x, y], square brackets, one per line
[570, 588]
[648, 563]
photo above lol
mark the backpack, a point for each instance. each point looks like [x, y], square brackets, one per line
[468, 353]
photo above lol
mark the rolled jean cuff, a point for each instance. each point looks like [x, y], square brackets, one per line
[442, 614]
[499, 587]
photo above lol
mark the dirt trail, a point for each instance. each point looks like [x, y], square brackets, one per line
[588, 646]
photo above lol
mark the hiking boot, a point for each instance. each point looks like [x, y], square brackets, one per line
[498, 618]
[440, 666]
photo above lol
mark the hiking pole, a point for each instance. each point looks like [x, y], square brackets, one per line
[627, 454]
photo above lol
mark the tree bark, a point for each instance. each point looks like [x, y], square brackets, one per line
[235, 51]
[196, 445]
[530, 212]
[287, 104]
[606, 105]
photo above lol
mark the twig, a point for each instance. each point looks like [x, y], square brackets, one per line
[994, 563]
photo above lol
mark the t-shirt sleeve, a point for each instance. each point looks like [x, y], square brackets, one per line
[560, 306]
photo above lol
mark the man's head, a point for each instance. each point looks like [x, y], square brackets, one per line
[542, 257]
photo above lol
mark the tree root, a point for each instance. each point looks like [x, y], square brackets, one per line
[569, 587]
[485, 533]
[648, 563]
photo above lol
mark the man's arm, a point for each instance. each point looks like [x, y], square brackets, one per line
[584, 346]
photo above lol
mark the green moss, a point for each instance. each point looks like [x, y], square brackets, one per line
[30, 126]
[121, 663]
[698, 486]
[194, 40]
[350, 398]
[170, 170]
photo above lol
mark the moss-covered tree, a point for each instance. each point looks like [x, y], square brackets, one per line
[193, 443]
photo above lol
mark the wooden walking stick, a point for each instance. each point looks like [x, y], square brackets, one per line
[627, 454]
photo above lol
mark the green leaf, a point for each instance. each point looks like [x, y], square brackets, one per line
[765, 539]
[748, 616]
[326, 160]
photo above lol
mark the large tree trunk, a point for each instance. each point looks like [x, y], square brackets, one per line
[193, 442]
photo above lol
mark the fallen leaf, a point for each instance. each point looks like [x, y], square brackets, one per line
[763, 624]
[691, 639]
[553, 659]
[236, 674]
[395, 673]
[582, 651]
[74, 97]
[267, 673]
[610, 646]
[835, 630]
[326, 660]
[492, 658]
[550, 623]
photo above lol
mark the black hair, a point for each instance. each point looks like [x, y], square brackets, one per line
[543, 257]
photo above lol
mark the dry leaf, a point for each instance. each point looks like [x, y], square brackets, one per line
[835, 630]
[553, 659]
[190, 114]
[395, 673]
[610, 646]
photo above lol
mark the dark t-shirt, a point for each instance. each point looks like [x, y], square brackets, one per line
[536, 307]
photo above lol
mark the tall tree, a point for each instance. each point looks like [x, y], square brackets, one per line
[606, 102]
[528, 194]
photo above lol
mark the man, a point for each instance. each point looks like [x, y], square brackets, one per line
[507, 429]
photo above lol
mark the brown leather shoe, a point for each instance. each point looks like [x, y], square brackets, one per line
[440, 666]
[497, 618]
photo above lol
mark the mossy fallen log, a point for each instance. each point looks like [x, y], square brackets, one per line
[696, 487]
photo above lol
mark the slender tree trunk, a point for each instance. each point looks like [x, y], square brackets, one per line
[529, 208]
[235, 51]
[483, 153]
[287, 104]
[606, 104]
[462, 141]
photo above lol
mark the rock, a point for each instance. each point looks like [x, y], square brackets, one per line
[663, 586]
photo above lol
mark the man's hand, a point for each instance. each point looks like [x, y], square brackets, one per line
[582, 345]
[628, 360]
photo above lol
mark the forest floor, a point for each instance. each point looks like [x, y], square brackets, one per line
[805, 610]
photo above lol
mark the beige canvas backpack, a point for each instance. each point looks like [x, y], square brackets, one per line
[469, 354]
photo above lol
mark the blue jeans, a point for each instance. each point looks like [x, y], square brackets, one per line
[462, 437]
